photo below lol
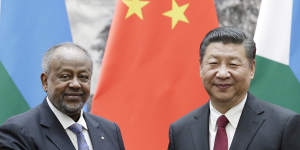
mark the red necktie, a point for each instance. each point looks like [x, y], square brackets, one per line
[221, 141]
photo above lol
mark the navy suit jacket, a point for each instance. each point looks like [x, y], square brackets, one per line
[262, 126]
[39, 129]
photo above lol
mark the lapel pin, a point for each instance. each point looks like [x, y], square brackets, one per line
[102, 137]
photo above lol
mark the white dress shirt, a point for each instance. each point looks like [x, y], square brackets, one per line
[233, 115]
[67, 121]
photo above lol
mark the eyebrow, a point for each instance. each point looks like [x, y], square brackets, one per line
[230, 57]
[70, 70]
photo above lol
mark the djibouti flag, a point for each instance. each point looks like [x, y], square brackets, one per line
[27, 29]
[277, 77]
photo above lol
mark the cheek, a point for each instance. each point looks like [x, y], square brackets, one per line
[57, 88]
[86, 87]
[242, 77]
[50, 89]
[208, 75]
[208, 78]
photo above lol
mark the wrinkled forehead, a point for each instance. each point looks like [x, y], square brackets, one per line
[75, 55]
[70, 52]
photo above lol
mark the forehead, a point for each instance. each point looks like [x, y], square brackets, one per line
[69, 52]
[70, 56]
[231, 50]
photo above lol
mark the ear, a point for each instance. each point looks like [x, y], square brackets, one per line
[201, 72]
[44, 78]
[253, 69]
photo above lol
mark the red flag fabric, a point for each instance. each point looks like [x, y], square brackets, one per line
[150, 74]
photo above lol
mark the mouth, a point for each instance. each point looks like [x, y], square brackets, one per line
[223, 86]
[73, 95]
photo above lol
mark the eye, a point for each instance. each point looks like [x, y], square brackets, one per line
[212, 63]
[83, 77]
[65, 76]
[233, 65]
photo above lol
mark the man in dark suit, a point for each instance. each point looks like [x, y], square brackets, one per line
[233, 118]
[59, 122]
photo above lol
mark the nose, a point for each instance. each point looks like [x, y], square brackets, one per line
[75, 83]
[223, 72]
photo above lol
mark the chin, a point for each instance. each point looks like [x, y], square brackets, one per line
[72, 113]
[72, 110]
[222, 97]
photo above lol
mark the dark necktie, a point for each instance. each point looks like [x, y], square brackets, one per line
[221, 141]
[77, 129]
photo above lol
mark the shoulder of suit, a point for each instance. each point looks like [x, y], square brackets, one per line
[25, 119]
[191, 117]
[21, 124]
[101, 120]
[275, 111]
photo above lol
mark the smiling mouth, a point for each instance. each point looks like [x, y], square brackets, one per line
[223, 86]
[73, 95]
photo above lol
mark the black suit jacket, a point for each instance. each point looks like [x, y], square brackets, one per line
[39, 129]
[262, 126]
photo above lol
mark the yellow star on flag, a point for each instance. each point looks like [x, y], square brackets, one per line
[135, 7]
[177, 13]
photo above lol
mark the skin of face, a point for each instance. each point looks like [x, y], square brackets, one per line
[67, 83]
[226, 74]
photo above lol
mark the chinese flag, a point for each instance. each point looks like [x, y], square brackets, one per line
[150, 74]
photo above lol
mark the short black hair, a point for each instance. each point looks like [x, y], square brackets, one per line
[229, 35]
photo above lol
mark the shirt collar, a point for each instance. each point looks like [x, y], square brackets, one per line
[64, 119]
[233, 114]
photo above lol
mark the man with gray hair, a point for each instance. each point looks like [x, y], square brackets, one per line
[59, 122]
[233, 118]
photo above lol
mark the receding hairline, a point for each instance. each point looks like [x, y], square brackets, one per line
[48, 56]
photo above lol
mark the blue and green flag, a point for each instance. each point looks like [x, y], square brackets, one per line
[277, 77]
[27, 29]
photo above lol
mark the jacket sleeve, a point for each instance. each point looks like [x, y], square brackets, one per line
[291, 133]
[120, 139]
[13, 137]
[171, 139]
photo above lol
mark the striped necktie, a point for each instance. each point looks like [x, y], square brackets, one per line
[77, 129]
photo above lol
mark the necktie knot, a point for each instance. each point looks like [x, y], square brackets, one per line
[81, 142]
[222, 121]
[76, 128]
[221, 140]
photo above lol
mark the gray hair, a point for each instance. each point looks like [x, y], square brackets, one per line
[49, 53]
[229, 35]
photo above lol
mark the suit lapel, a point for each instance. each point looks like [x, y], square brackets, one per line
[96, 135]
[53, 129]
[251, 120]
[199, 129]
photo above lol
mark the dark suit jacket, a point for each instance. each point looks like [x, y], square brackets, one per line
[262, 126]
[39, 129]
